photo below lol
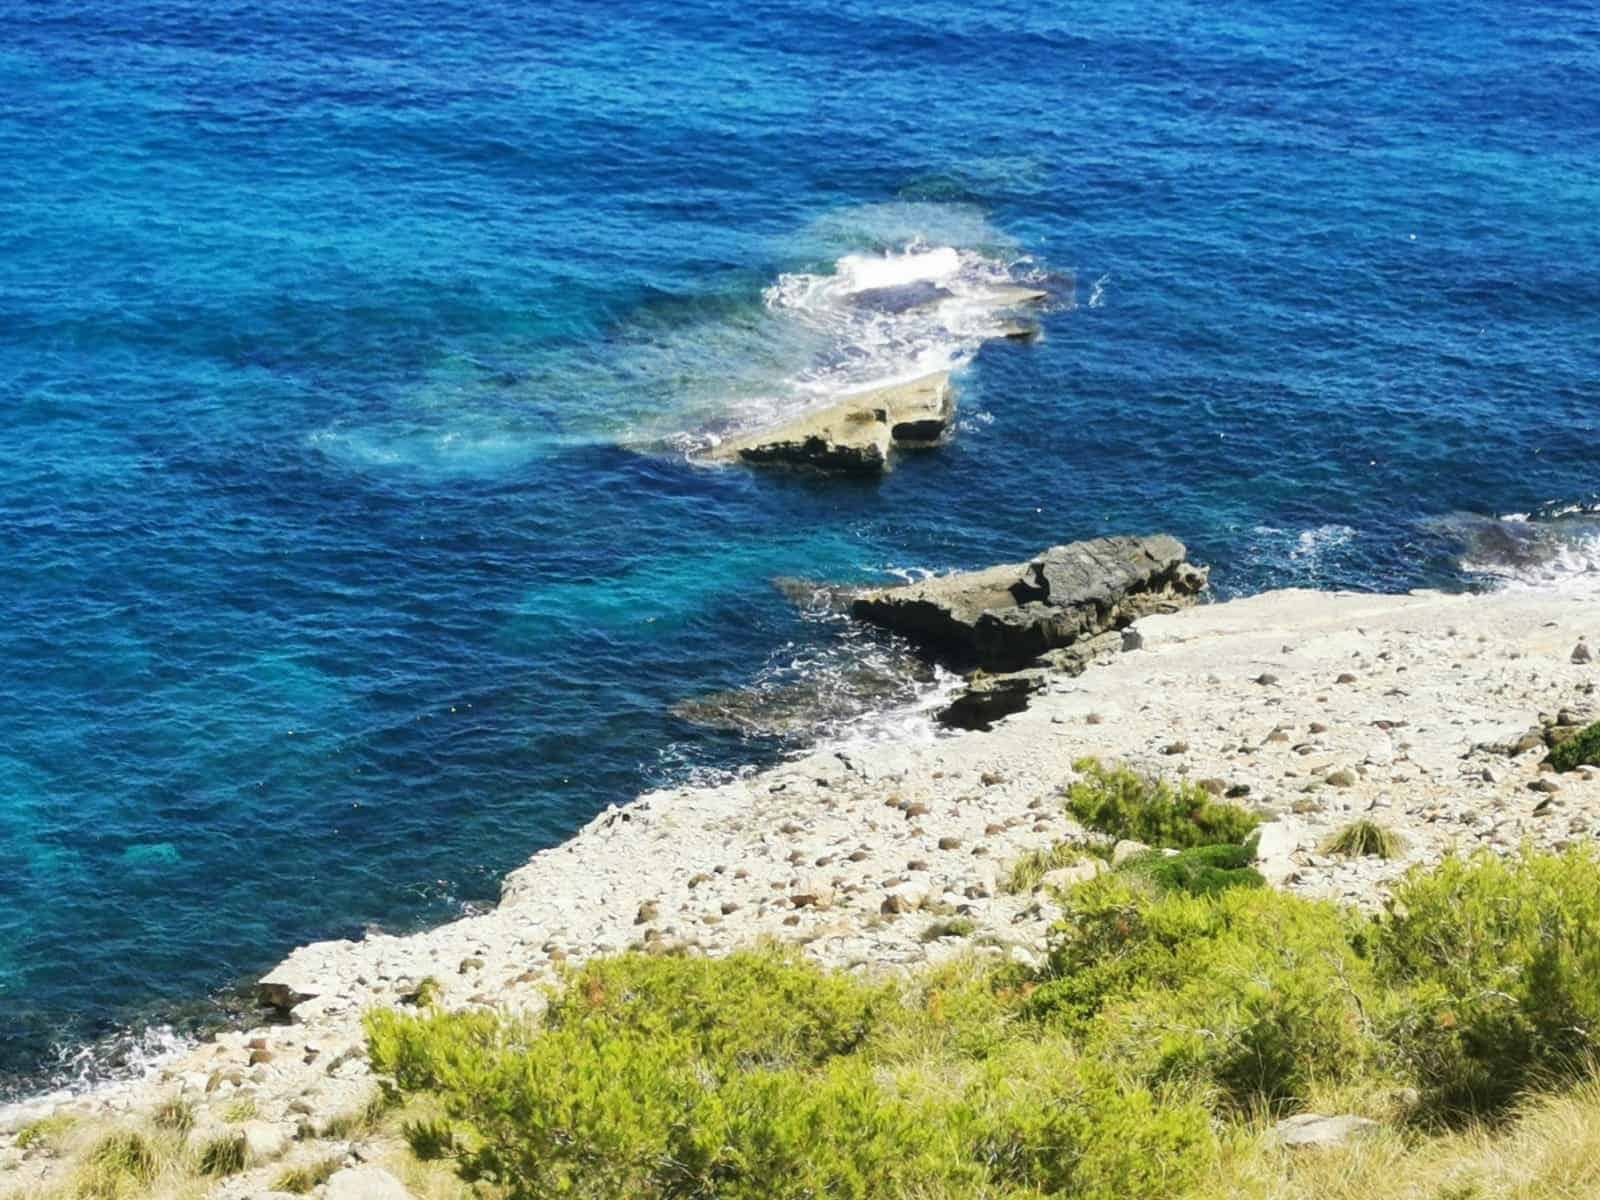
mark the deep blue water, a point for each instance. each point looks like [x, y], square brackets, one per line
[349, 554]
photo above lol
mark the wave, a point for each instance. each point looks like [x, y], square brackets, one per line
[1555, 548]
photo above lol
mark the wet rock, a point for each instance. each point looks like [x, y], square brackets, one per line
[990, 698]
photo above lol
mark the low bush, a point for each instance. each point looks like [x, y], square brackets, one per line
[845, 1090]
[224, 1154]
[121, 1163]
[1580, 750]
[1199, 871]
[1495, 967]
[1254, 993]
[1121, 803]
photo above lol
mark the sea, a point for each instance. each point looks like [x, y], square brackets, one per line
[354, 357]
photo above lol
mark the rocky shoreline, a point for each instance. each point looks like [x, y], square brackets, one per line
[1427, 712]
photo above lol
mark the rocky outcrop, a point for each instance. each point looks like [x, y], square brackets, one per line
[855, 435]
[1003, 618]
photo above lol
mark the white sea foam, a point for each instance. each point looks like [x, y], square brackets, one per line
[1556, 551]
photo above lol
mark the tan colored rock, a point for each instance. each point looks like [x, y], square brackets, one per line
[854, 434]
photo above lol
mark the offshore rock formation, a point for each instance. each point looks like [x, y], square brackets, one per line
[1004, 618]
[855, 435]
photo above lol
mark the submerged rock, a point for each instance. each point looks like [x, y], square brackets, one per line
[1005, 617]
[814, 702]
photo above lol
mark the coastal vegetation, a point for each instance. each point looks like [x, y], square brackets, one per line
[1183, 1017]
[1122, 803]
[1150, 1055]
[1580, 750]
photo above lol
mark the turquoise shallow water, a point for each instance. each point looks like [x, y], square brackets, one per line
[349, 353]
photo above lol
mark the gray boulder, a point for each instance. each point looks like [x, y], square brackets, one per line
[1005, 617]
[1313, 1131]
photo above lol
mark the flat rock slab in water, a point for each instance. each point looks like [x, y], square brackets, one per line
[854, 435]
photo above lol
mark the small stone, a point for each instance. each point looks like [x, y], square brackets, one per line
[648, 911]
[1063, 878]
[1318, 727]
[916, 810]
[992, 778]
[1125, 849]
[1237, 791]
[1345, 677]
[790, 828]
[1548, 786]
[916, 864]
[1214, 787]
[1581, 652]
[993, 830]
[1132, 639]
[1266, 679]
[257, 1057]
[469, 964]
[894, 904]
[949, 843]
[1341, 778]
[1175, 748]
[729, 907]
[857, 856]
[1093, 719]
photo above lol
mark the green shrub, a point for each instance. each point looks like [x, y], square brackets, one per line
[1496, 968]
[1582, 749]
[224, 1154]
[120, 1164]
[1045, 1121]
[1200, 870]
[768, 1008]
[1124, 804]
[858, 1092]
[1365, 839]
[1249, 991]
